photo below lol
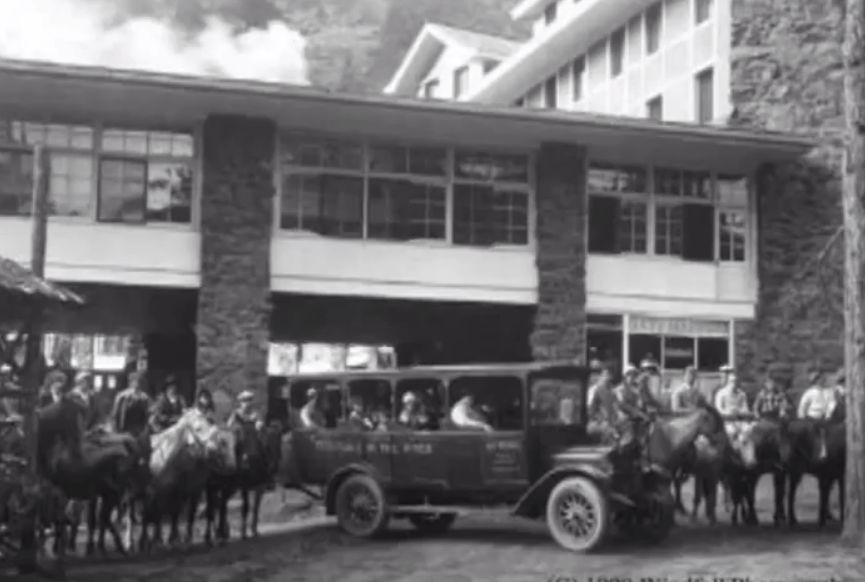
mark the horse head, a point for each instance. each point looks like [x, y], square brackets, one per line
[672, 437]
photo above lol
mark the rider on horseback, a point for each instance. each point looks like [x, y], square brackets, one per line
[731, 401]
[168, 408]
[817, 404]
[772, 402]
[245, 413]
[131, 412]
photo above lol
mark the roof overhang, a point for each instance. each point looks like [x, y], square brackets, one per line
[529, 9]
[427, 45]
[49, 92]
[572, 33]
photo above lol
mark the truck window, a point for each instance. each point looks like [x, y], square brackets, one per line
[557, 401]
[429, 393]
[498, 399]
[374, 397]
[330, 399]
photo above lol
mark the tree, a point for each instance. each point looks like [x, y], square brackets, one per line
[854, 285]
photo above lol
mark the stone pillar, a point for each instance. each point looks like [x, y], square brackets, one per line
[786, 75]
[234, 304]
[559, 330]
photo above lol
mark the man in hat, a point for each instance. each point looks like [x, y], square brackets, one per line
[817, 405]
[687, 395]
[465, 415]
[53, 388]
[311, 415]
[772, 402]
[245, 413]
[169, 407]
[654, 384]
[412, 414]
[131, 412]
[628, 391]
[731, 400]
[82, 394]
[603, 411]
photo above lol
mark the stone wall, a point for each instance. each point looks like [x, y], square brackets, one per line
[236, 222]
[559, 330]
[787, 75]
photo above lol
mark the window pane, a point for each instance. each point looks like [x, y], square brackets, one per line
[702, 10]
[169, 192]
[668, 230]
[122, 191]
[653, 28]
[473, 165]
[617, 52]
[632, 227]
[697, 185]
[509, 168]
[705, 98]
[668, 182]
[733, 190]
[678, 352]
[388, 159]
[643, 346]
[427, 161]
[318, 153]
[16, 183]
[604, 216]
[732, 236]
[551, 93]
[327, 204]
[712, 353]
[473, 214]
[577, 74]
[403, 210]
[292, 188]
[612, 178]
[70, 184]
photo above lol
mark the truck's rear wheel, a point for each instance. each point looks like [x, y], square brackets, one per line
[578, 514]
[433, 524]
[361, 506]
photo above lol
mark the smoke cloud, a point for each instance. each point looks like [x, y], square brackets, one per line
[88, 32]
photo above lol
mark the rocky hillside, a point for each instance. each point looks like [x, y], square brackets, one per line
[354, 45]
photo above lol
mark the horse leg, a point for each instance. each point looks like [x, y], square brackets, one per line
[224, 494]
[825, 488]
[209, 502]
[710, 491]
[190, 517]
[677, 488]
[698, 496]
[795, 478]
[779, 480]
[244, 510]
[91, 525]
[258, 494]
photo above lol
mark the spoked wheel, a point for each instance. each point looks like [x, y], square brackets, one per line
[361, 507]
[433, 524]
[578, 514]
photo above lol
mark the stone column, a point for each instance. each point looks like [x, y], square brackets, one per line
[787, 76]
[559, 330]
[234, 304]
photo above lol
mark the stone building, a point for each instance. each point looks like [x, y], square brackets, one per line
[210, 217]
[756, 64]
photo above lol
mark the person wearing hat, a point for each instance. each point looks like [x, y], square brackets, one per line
[603, 411]
[772, 402]
[413, 414]
[82, 394]
[311, 415]
[687, 395]
[629, 392]
[817, 405]
[357, 417]
[53, 387]
[131, 413]
[654, 387]
[730, 399]
[168, 409]
[205, 405]
[245, 413]
[464, 415]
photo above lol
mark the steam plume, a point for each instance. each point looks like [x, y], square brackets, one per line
[88, 32]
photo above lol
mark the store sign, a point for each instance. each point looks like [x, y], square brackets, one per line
[675, 326]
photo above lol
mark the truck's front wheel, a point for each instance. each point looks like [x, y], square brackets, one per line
[578, 514]
[361, 506]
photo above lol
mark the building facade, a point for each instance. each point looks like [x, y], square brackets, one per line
[709, 63]
[211, 218]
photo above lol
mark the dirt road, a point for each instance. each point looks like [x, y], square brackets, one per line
[494, 547]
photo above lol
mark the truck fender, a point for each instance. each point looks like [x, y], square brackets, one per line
[532, 503]
[339, 476]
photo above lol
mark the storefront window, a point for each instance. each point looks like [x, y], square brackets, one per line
[712, 353]
[678, 352]
[604, 340]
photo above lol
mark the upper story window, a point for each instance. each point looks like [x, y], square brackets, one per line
[327, 184]
[667, 212]
[617, 52]
[578, 76]
[491, 198]
[16, 182]
[551, 92]
[430, 88]
[489, 65]
[704, 99]
[653, 28]
[461, 81]
[702, 10]
[550, 12]
[655, 108]
[118, 175]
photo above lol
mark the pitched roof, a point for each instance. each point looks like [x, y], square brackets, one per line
[429, 43]
[20, 282]
[485, 44]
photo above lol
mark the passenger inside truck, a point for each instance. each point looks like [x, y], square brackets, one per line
[420, 401]
[495, 401]
[371, 404]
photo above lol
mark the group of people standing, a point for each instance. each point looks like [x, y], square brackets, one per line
[610, 407]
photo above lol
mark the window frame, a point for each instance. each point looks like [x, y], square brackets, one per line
[551, 92]
[617, 61]
[654, 199]
[578, 79]
[460, 81]
[703, 11]
[703, 76]
[652, 43]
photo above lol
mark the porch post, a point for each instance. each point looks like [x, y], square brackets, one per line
[233, 315]
[559, 327]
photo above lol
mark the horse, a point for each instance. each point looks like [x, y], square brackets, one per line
[181, 460]
[802, 460]
[257, 452]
